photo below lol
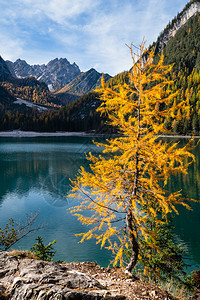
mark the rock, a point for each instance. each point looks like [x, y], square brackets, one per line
[166, 35]
[153, 294]
[82, 84]
[31, 279]
[4, 70]
[57, 72]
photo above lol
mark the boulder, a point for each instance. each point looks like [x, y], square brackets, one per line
[27, 279]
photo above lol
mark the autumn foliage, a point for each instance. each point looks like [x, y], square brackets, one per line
[126, 184]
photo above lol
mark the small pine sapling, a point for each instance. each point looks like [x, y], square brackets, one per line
[41, 251]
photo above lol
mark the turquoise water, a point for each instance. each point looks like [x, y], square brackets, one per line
[187, 222]
[35, 176]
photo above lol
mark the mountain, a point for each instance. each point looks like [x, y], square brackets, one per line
[56, 74]
[182, 49]
[180, 42]
[81, 85]
[22, 83]
[28, 88]
[32, 90]
[20, 69]
[60, 76]
[4, 70]
[190, 10]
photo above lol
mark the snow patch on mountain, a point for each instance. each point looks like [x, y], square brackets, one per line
[57, 73]
[30, 104]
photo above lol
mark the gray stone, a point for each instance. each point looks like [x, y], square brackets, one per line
[57, 72]
[190, 12]
[30, 279]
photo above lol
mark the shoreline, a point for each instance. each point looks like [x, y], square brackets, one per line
[19, 133]
[181, 136]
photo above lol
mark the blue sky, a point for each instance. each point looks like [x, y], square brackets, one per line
[92, 33]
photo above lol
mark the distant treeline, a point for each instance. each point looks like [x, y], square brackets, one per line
[79, 115]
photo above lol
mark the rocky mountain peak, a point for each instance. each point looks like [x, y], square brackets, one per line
[4, 70]
[92, 70]
[82, 84]
[64, 60]
[21, 61]
[58, 61]
[56, 74]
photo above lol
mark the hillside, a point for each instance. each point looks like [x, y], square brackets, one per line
[190, 10]
[6, 99]
[184, 51]
[32, 90]
[182, 48]
[81, 85]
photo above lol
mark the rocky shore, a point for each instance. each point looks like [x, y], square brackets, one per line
[23, 278]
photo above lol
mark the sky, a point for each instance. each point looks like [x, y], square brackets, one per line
[91, 33]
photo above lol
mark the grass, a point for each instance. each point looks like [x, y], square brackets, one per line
[22, 254]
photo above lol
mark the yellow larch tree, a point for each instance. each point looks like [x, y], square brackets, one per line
[134, 168]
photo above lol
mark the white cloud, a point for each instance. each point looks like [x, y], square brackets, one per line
[10, 47]
[93, 33]
[62, 11]
[110, 30]
[107, 34]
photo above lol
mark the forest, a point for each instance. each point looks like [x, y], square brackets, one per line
[80, 115]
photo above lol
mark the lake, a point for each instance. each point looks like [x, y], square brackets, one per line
[35, 176]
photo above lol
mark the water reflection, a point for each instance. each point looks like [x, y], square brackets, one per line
[187, 223]
[43, 165]
[35, 176]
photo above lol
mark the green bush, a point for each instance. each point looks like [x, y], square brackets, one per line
[41, 251]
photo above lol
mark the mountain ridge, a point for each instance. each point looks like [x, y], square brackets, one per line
[182, 50]
[56, 73]
[82, 84]
[192, 8]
